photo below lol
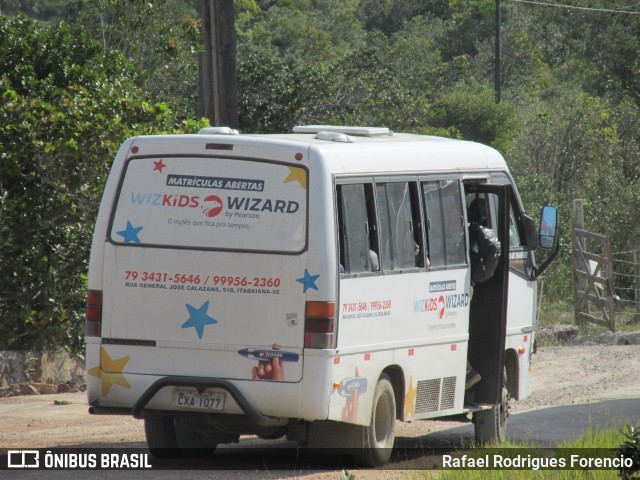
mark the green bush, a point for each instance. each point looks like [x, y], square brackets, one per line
[66, 107]
[631, 449]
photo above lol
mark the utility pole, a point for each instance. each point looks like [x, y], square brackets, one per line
[218, 95]
[498, 52]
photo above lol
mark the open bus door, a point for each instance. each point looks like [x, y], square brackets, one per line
[488, 326]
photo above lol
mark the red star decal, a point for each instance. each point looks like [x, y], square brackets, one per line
[158, 166]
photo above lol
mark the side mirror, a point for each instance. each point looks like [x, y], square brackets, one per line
[548, 226]
[548, 238]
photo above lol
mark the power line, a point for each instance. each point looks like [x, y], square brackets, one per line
[630, 6]
[591, 9]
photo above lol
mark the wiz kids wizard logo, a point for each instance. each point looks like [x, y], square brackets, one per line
[441, 304]
[212, 205]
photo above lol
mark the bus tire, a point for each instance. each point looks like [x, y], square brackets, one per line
[379, 435]
[491, 425]
[160, 431]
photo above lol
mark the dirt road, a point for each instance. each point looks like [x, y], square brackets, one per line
[561, 376]
[583, 374]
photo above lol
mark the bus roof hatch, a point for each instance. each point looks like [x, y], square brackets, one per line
[218, 131]
[356, 131]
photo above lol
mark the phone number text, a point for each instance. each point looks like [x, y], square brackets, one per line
[195, 279]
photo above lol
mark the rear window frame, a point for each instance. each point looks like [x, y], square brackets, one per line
[133, 158]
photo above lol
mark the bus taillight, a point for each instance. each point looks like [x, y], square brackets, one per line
[319, 323]
[93, 322]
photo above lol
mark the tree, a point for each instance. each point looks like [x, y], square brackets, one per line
[66, 107]
[576, 146]
[275, 94]
[161, 38]
[568, 123]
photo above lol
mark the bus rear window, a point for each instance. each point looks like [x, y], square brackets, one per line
[211, 203]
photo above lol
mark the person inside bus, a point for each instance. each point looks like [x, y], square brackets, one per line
[421, 261]
[476, 213]
[373, 261]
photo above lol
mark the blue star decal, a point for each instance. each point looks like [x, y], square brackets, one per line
[198, 318]
[130, 234]
[308, 281]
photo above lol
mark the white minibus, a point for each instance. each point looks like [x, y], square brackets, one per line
[315, 284]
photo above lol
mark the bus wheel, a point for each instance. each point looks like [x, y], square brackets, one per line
[160, 431]
[380, 434]
[491, 425]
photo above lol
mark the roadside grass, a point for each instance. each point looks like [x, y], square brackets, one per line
[551, 314]
[592, 439]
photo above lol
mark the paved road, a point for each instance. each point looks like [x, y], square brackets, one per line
[545, 427]
[548, 427]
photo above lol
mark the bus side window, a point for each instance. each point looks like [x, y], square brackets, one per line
[455, 227]
[422, 248]
[341, 233]
[520, 258]
[356, 218]
[400, 234]
[374, 246]
[444, 223]
[514, 235]
[434, 223]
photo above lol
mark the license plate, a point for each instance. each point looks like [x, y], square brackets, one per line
[209, 401]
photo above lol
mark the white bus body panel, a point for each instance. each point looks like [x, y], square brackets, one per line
[416, 322]
[204, 313]
[521, 318]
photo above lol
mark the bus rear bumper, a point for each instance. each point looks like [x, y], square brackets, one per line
[247, 408]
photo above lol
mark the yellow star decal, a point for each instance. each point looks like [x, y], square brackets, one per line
[410, 400]
[110, 371]
[297, 175]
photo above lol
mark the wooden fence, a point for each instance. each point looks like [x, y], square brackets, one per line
[593, 274]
